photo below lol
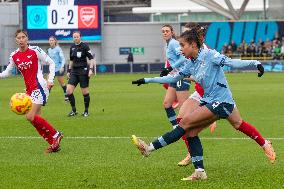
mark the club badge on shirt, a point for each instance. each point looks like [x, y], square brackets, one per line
[79, 54]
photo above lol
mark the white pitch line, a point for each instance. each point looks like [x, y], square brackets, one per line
[121, 137]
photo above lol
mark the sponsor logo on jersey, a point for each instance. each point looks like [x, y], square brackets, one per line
[25, 65]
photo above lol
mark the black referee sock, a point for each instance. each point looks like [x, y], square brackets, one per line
[72, 101]
[64, 89]
[86, 101]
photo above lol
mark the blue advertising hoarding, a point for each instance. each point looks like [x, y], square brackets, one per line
[219, 33]
[59, 18]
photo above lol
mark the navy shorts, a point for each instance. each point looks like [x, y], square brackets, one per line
[182, 85]
[82, 79]
[221, 109]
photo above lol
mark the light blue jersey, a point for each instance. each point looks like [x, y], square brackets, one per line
[57, 56]
[207, 70]
[174, 55]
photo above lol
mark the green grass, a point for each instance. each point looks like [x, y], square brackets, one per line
[119, 109]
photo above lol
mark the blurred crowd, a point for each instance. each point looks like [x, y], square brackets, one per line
[269, 49]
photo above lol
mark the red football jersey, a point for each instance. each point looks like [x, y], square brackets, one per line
[29, 64]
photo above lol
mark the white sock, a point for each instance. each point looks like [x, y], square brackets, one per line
[265, 144]
[55, 135]
[151, 147]
[200, 170]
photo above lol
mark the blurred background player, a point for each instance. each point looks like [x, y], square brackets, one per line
[79, 72]
[56, 54]
[27, 59]
[179, 90]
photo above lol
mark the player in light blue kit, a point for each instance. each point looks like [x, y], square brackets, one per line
[178, 92]
[205, 67]
[56, 54]
[179, 89]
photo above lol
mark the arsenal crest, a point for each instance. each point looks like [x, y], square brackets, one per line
[87, 16]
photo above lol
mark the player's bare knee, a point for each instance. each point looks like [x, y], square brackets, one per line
[192, 133]
[30, 117]
[68, 92]
[237, 124]
[85, 92]
[167, 104]
[185, 122]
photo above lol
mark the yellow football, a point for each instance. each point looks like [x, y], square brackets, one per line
[20, 103]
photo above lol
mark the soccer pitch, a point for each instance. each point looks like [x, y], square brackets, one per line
[97, 151]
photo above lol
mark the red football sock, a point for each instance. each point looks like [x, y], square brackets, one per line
[186, 143]
[252, 132]
[44, 128]
[184, 137]
[166, 86]
[178, 120]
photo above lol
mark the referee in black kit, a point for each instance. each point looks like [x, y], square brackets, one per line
[79, 72]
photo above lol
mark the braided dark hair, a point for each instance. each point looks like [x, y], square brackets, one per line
[201, 30]
[192, 36]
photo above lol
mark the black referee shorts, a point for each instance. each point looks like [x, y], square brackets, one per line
[82, 79]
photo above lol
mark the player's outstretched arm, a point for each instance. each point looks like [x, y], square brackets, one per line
[139, 82]
[222, 60]
[237, 63]
[165, 79]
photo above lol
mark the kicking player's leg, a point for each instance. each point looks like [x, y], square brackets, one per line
[201, 117]
[196, 150]
[238, 123]
[168, 101]
[187, 107]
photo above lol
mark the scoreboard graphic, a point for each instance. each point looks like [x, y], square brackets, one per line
[43, 18]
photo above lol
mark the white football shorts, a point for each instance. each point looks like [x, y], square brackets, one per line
[40, 96]
[196, 96]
